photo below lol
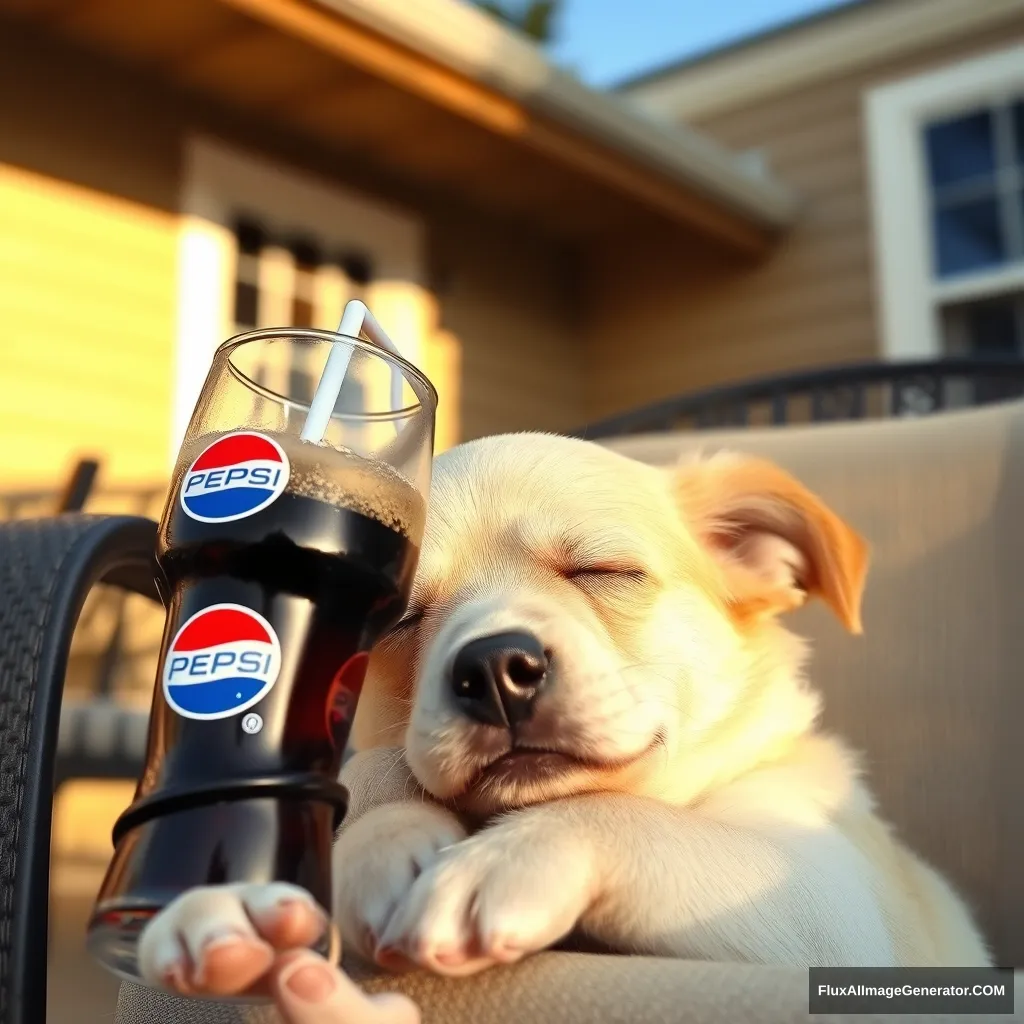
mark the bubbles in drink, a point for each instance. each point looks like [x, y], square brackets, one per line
[338, 477]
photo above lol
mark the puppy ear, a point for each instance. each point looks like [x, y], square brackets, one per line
[776, 541]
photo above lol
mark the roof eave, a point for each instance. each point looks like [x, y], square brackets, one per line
[473, 44]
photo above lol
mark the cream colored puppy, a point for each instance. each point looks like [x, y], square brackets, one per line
[615, 737]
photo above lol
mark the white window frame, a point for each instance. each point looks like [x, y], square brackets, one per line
[219, 181]
[909, 295]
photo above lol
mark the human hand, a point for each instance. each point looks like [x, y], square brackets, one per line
[308, 990]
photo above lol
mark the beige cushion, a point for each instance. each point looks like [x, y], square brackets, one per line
[930, 693]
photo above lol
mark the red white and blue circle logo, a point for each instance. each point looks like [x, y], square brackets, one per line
[223, 660]
[236, 476]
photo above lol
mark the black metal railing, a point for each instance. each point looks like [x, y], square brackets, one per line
[860, 391]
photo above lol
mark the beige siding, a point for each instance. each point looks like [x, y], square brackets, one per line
[702, 320]
[87, 307]
[88, 248]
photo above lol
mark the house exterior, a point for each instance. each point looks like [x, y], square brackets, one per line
[845, 188]
[849, 187]
[900, 126]
[176, 171]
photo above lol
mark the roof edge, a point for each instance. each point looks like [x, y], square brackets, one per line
[473, 44]
[848, 38]
[742, 42]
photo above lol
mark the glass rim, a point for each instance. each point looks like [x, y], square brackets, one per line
[332, 337]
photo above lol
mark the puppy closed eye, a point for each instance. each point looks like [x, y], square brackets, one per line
[610, 575]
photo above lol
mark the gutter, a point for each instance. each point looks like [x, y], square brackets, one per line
[472, 44]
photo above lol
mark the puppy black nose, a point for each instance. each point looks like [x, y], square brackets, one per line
[497, 679]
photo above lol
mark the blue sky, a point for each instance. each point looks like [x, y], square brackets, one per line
[605, 41]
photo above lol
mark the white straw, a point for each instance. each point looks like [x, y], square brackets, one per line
[356, 321]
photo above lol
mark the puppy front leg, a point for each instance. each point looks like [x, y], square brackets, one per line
[672, 882]
[377, 860]
[640, 877]
[513, 888]
[391, 834]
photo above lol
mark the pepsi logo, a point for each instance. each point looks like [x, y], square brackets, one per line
[236, 476]
[223, 660]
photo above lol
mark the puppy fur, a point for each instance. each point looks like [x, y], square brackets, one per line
[672, 793]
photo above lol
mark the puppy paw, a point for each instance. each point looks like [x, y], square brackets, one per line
[376, 861]
[515, 888]
[223, 940]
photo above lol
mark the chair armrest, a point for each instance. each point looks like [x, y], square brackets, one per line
[47, 567]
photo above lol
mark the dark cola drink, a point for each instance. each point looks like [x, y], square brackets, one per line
[281, 564]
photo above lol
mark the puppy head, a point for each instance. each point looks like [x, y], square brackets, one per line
[583, 622]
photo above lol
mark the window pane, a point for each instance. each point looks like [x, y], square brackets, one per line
[960, 149]
[986, 327]
[357, 267]
[968, 237]
[306, 253]
[248, 268]
[302, 312]
[246, 303]
[1018, 130]
[992, 327]
[250, 235]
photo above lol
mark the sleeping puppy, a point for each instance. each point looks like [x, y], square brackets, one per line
[612, 738]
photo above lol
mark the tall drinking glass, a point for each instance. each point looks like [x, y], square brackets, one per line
[287, 546]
